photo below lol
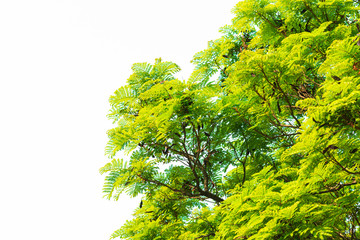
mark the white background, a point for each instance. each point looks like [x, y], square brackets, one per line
[59, 63]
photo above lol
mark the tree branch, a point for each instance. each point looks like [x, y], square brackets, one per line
[204, 236]
[337, 187]
[332, 158]
[243, 163]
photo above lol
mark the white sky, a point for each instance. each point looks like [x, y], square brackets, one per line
[59, 63]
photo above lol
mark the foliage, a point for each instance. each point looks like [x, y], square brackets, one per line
[261, 142]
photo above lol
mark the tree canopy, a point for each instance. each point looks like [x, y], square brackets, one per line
[261, 142]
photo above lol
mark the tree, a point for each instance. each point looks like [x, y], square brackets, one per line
[261, 142]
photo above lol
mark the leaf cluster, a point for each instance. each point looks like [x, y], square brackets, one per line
[261, 142]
